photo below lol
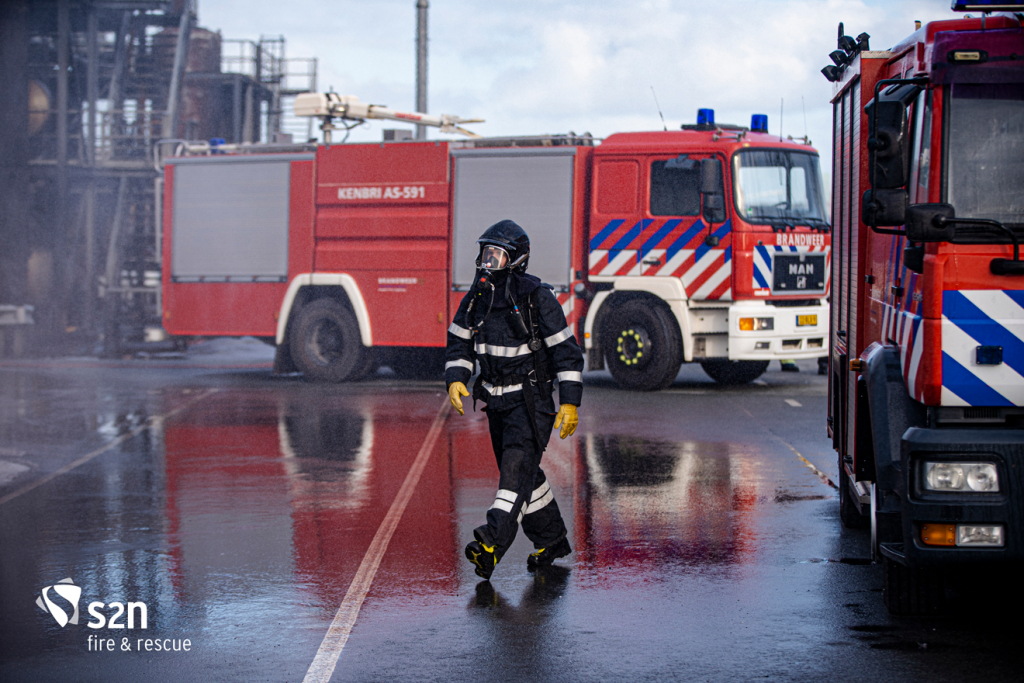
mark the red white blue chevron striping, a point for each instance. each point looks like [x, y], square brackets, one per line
[906, 330]
[982, 317]
[666, 249]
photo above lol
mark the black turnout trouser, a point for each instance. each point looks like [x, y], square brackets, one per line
[524, 496]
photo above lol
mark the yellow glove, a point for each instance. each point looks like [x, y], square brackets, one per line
[454, 391]
[568, 419]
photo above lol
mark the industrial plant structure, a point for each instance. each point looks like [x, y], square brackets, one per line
[87, 89]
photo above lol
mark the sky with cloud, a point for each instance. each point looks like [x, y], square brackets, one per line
[554, 66]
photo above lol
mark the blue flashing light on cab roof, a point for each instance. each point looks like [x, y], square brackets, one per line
[759, 123]
[705, 117]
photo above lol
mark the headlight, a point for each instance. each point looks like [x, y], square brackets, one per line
[971, 477]
[960, 535]
[755, 324]
[979, 535]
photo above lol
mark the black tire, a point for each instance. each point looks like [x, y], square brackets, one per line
[912, 591]
[326, 345]
[642, 346]
[369, 366]
[848, 512]
[734, 371]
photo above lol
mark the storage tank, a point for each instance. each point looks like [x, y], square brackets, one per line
[205, 106]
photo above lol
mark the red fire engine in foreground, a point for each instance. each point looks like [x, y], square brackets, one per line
[926, 400]
[705, 244]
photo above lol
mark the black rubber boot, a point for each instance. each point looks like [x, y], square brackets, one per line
[483, 557]
[545, 556]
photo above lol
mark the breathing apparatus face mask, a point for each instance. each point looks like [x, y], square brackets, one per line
[493, 258]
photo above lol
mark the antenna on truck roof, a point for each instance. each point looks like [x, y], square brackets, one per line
[782, 110]
[659, 109]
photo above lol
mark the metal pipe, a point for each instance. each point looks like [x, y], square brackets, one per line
[312, 88]
[421, 64]
[92, 80]
[236, 110]
[113, 246]
[63, 46]
[92, 88]
[120, 60]
[248, 117]
[170, 124]
[90, 256]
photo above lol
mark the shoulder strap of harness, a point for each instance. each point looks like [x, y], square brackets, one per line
[540, 356]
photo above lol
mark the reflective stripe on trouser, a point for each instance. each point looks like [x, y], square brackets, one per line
[524, 495]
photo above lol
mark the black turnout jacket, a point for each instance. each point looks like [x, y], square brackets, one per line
[503, 352]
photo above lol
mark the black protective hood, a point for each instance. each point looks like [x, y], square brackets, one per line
[511, 237]
[513, 284]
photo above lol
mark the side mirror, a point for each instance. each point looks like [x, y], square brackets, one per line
[888, 150]
[711, 176]
[928, 223]
[712, 190]
[913, 258]
[884, 207]
[714, 208]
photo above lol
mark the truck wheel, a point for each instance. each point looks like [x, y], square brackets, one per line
[326, 345]
[734, 371]
[642, 346]
[848, 512]
[912, 591]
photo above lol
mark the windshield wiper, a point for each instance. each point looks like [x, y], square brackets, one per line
[790, 222]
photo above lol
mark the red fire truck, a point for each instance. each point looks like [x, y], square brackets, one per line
[926, 400]
[706, 244]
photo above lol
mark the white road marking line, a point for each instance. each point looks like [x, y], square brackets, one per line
[810, 465]
[760, 382]
[103, 449]
[793, 402]
[326, 659]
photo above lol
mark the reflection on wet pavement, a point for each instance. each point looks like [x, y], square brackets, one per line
[240, 517]
[653, 503]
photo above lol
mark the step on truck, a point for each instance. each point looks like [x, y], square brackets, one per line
[926, 394]
[707, 244]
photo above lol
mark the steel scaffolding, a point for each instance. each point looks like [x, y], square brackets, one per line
[105, 80]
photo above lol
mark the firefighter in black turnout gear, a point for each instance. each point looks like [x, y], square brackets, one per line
[512, 325]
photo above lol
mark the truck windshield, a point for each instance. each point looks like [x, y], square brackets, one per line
[985, 166]
[778, 187]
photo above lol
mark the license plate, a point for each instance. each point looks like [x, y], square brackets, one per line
[794, 273]
[805, 320]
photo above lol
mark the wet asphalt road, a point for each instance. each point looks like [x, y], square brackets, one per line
[243, 510]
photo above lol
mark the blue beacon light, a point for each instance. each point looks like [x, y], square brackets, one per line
[705, 117]
[759, 123]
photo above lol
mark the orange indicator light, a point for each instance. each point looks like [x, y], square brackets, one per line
[938, 534]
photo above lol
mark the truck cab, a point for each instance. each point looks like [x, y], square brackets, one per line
[926, 400]
[713, 238]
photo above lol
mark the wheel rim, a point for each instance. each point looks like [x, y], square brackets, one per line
[633, 347]
[327, 342]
